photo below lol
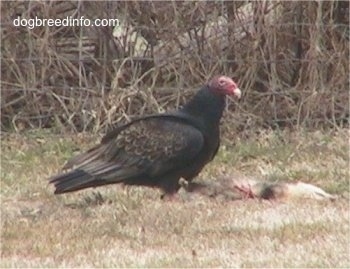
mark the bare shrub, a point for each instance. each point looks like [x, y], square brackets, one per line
[290, 58]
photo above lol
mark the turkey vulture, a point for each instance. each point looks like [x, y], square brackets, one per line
[155, 150]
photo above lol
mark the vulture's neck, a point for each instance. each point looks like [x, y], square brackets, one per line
[206, 106]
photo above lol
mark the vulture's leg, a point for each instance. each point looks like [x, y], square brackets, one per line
[170, 187]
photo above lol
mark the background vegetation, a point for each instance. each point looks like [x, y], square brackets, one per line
[291, 60]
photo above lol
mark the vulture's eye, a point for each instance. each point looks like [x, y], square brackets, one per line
[222, 82]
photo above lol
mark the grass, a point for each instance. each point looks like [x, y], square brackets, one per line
[131, 227]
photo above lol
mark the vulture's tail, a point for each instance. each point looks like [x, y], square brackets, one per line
[74, 180]
[92, 171]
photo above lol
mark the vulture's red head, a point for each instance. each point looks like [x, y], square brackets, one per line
[225, 86]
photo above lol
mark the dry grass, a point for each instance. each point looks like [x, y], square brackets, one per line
[116, 227]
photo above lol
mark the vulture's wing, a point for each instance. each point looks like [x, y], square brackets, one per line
[147, 147]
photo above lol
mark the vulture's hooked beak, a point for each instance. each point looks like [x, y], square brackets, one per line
[237, 93]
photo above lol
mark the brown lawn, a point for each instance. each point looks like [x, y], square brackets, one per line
[124, 227]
